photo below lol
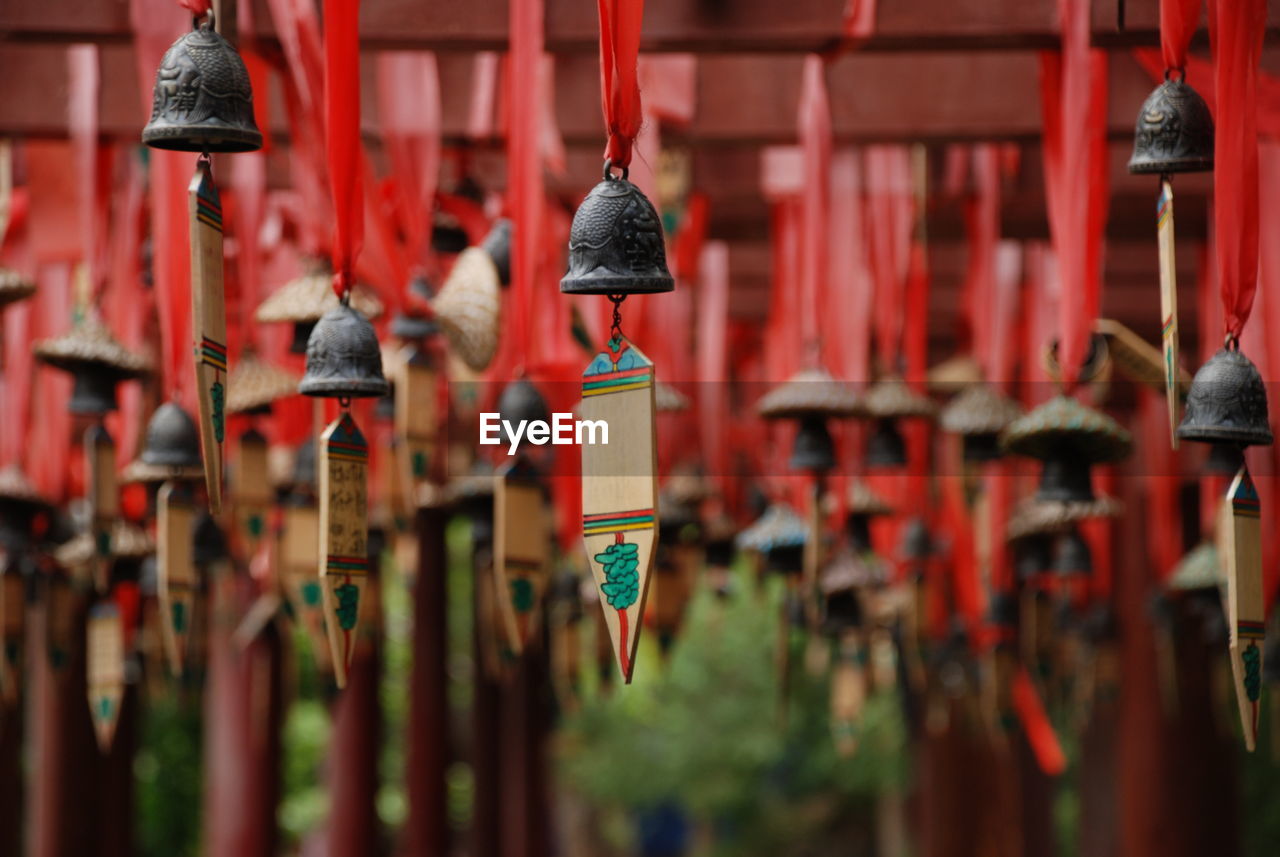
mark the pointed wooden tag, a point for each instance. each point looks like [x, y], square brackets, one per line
[415, 391]
[251, 488]
[521, 545]
[1169, 306]
[1239, 542]
[344, 559]
[105, 670]
[848, 694]
[299, 556]
[12, 614]
[620, 489]
[176, 570]
[209, 323]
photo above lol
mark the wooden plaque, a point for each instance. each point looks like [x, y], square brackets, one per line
[521, 548]
[105, 670]
[209, 324]
[1169, 306]
[176, 570]
[848, 694]
[299, 555]
[251, 491]
[620, 490]
[415, 391]
[1239, 536]
[344, 553]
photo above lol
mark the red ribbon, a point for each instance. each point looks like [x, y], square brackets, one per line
[198, 8]
[620, 91]
[814, 126]
[1074, 101]
[342, 134]
[1236, 29]
[1178, 19]
[524, 159]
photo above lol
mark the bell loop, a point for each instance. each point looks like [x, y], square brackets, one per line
[1169, 72]
[608, 171]
[1231, 342]
[615, 330]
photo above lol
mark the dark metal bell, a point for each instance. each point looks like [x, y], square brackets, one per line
[497, 244]
[203, 101]
[209, 542]
[886, 448]
[521, 401]
[813, 449]
[412, 328]
[1227, 403]
[1065, 478]
[343, 357]
[843, 611]
[1174, 132]
[615, 244]
[172, 438]
[982, 447]
[1003, 612]
[1071, 556]
[916, 544]
[858, 527]
[1034, 558]
[94, 393]
[301, 333]
[305, 466]
[785, 559]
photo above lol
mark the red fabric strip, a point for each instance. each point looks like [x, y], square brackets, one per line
[342, 134]
[1178, 19]
[524, 162]
[1036, 726]
[1073, 97]
[814, 131]
[198, 8]
[619, 51]
[1236, 29]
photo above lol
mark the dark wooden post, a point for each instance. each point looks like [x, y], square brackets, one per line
[243, 715]
[355, 745]
[427, 828]
[11, 793]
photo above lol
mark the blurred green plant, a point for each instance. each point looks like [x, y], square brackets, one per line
[168, 774]
[703, 731]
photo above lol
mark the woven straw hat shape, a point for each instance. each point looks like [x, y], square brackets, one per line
[468, 308]
[309, 297]
[90, 342]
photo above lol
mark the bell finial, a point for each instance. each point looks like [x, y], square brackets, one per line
[343, 357]
[615, 244]
[203, 100]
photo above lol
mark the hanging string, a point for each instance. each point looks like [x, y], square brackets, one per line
[814, 127]
[1236, 29]
[342, 136]
[619, 87]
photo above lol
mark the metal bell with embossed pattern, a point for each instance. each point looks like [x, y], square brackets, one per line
[615, 244]
[1174, 132]
[1227, 403]
[203, 100]
[344, 360]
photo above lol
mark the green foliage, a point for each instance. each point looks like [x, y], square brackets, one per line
[167, 772]
[704, 731]
[621, 563]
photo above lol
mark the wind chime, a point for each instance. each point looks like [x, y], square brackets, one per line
[203, 103]
[172, 454]
[1173, 134]
[616, 249]
[344, 360]
[521, 538]
[97, 363]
